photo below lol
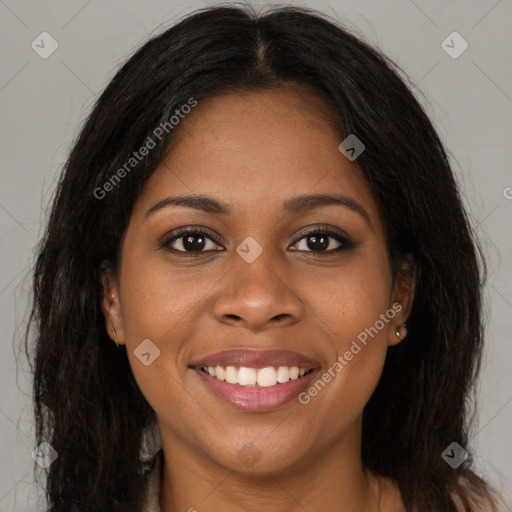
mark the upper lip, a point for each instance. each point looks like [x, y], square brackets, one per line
[252, 358]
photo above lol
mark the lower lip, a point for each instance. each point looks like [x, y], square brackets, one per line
[258, 398]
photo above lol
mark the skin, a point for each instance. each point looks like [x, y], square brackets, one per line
[253, 151]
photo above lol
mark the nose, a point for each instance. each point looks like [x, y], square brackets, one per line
[258, 295]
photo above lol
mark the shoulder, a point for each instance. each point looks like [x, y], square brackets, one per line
[392, 500]
[478, 504]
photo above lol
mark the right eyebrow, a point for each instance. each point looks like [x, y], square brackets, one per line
[204, 203]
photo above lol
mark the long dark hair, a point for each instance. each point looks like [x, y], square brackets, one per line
[87, 403]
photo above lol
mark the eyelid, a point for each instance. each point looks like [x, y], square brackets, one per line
[324, 228]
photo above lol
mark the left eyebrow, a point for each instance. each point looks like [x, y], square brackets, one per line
[309, 201]
[294, 205]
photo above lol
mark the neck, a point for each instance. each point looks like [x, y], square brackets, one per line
[331, 481]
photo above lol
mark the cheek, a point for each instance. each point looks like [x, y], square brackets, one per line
[355, 310]
[157, 301]
[157, 305]
[158, 308]
[340, 393]
[361, 349]
[351, 300]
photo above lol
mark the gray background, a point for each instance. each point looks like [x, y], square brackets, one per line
[43, 101]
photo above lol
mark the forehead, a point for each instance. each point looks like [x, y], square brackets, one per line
[257, 148]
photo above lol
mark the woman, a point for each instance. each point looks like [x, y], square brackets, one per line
[258, 287]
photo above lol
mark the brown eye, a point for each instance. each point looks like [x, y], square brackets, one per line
[191, 241]
[321, 241]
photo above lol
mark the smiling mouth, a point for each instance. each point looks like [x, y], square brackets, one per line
[256, 380]
[256, 377]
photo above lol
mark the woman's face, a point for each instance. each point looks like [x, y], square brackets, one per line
[255, 291]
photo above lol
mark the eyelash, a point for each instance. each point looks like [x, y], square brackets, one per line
[344, 240]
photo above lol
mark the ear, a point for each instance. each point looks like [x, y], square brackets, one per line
[402, 298]
[110, 303]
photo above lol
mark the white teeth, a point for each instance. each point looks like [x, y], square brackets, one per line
[294, 373]
[267, 377]
[231, 375]
[246, 376]
[263, 377]
[283, 374]
[220, 373]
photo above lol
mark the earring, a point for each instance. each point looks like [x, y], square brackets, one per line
[401, 331]
[115, 336]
